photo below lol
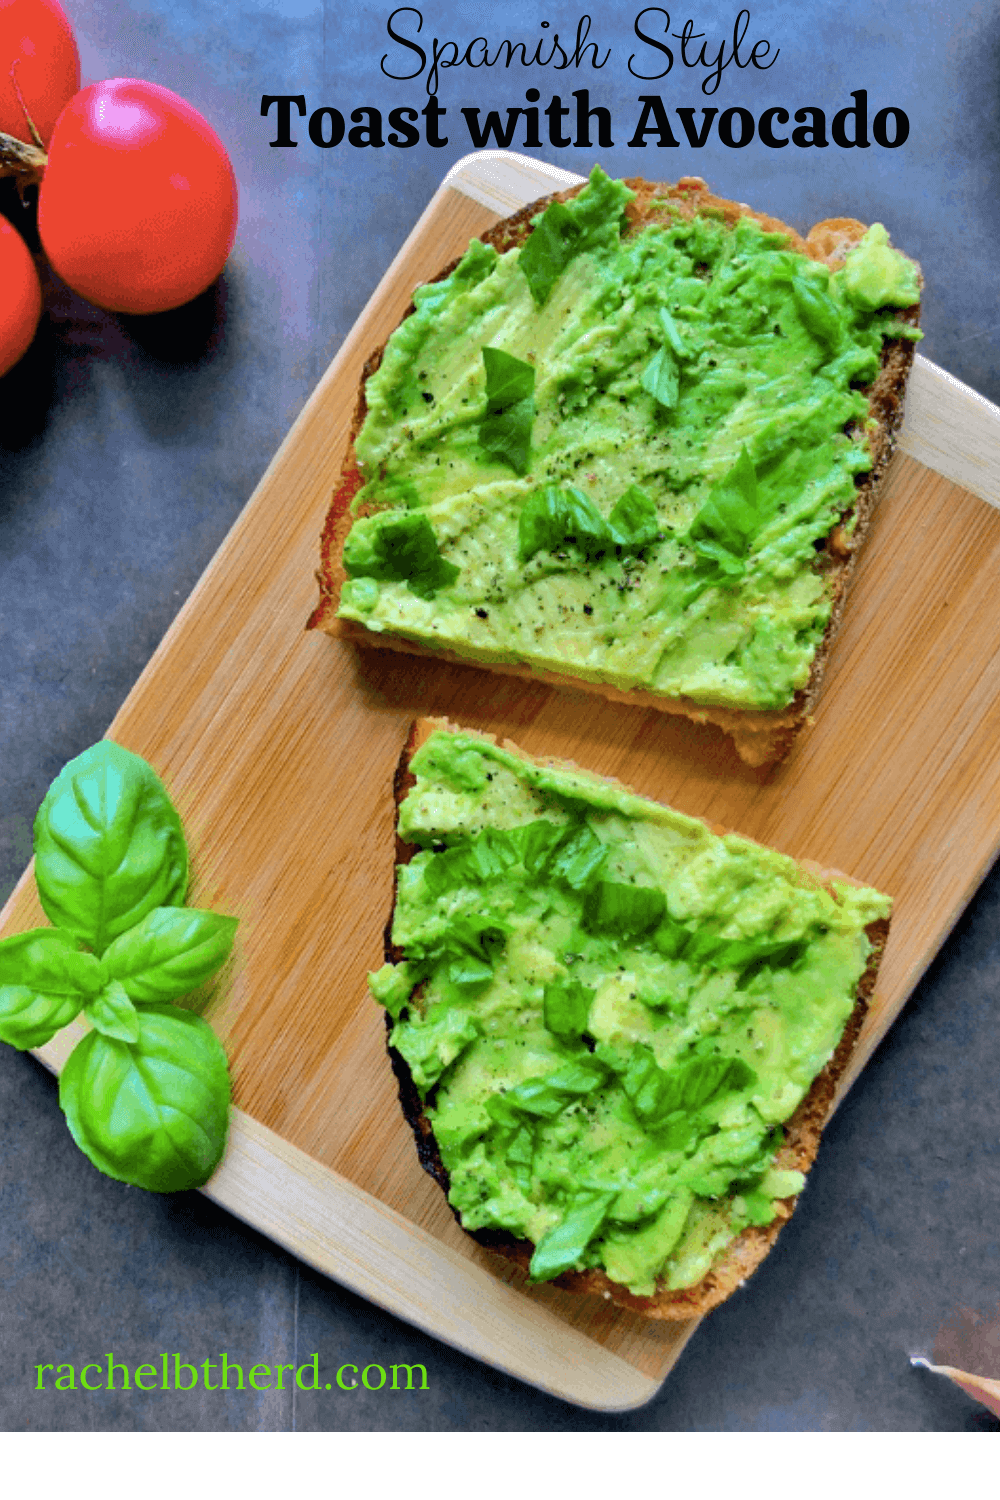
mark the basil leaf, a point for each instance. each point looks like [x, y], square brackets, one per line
[580, 859]
[661, 378]
[170, 952]
[633, 520]
[470, 976]
[655, 1092]
[113, 1014]
[538, 841]
[109, 846]
[566, 1008]
[45, 981]
[536, 1096]
[629, 909]
[492, 852]
[551, 246]
[672, 336]
[398, 547]
[565, 230]
[818, 311]
[475, 934]
[505, 431]
[708, 950]
[563, 1246]
[548, 1095]
[581, 1076]
[552, 519]
[447, 871]
[508, 379]
[521, 1151]
[154, 1113]
[731, 516]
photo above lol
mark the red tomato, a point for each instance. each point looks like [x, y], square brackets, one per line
[20, 297]
[137, 209]
[38, 55]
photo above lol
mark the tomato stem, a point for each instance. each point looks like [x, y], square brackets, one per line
[24, 108]
[21, 160]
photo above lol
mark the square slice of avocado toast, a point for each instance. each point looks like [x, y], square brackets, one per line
[618, 452]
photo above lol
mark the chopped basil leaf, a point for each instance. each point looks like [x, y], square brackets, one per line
[708, 950]
[505, 431]
[551, 246]
[580, 859]
[655, 1093]
[470, 975]
[566, 230]
[672, 336]
[564, 1245]
[546, 1096]
[629, 909]
[818, 311]
[399, 546]
[731, 516]
[483, 858]
[633, 520]
[566, 1008]
[538, 840]
[553, 518]
[661, 378]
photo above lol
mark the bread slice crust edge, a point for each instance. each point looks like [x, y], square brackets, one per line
[802, 1130]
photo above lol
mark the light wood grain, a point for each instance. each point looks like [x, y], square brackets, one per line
[279, 747]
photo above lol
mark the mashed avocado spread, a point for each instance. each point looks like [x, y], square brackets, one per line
[608, 1010]
[616, 456]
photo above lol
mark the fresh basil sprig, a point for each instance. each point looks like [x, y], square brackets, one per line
[146, 1092]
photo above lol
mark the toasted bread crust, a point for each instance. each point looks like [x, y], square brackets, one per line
[761, 736]
[802, 1130]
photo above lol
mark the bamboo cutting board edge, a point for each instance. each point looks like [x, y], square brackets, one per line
[967, 427]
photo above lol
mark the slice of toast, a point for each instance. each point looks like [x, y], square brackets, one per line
[761, 735]
[802, 1129]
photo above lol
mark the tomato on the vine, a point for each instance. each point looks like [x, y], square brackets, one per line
[39, 66]
[138, 205]
[20, 297]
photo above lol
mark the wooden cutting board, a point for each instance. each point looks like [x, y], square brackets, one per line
[279, 747]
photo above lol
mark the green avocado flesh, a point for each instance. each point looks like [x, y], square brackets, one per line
[608, 1010]
[617, 458]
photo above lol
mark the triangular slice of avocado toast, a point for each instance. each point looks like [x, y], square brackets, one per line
[617, 1032]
